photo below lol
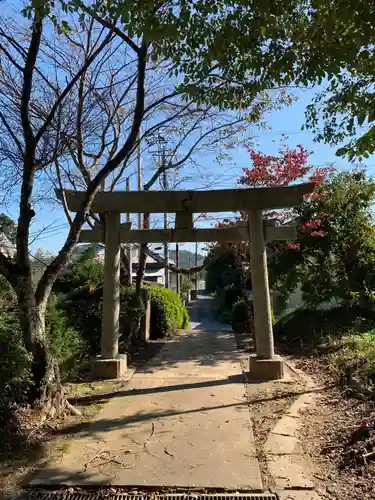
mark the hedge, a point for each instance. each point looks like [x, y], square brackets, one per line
[167, 312]
[84, 310]
[240, 316]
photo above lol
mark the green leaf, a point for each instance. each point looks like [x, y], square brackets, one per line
[371, 114]
[361, 117]
[342, 151]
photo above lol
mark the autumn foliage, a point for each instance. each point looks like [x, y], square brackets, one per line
[287, 167]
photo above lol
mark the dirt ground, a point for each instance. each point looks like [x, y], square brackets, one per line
[336, 434]
[267, 405]
[25, 445]
[268, 401]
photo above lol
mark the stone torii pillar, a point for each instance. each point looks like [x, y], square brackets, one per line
[265, 365]
[110, 364]
[184, 204]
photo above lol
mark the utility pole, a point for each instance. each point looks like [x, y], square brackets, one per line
[139, 177]
[161, 162]
[177, 265]
[129, 246]
[196, 265]
[166, 252]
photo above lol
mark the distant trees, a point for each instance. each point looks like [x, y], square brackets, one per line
[333, 256]
[8, 227]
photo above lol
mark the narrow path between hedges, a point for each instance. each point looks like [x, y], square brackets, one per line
[201, 317]
[182, 420]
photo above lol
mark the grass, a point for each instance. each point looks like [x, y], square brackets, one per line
[344, 338]
[307, 329]
[355, 357]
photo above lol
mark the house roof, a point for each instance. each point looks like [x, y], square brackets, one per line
[159, 258]
[151, 256]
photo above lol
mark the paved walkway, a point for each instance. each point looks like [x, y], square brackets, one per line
[181, 421]
[201, 317]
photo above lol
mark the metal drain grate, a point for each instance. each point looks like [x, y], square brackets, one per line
[105, 495]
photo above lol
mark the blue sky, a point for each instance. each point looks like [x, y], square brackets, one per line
[287, 120]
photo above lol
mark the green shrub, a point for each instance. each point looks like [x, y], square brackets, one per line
[240, 316]
[83, 308]
[218, 302]
[65, 341]
[8, 297]
[159, 326]
[355, 357]
[185, 319]
[225, 298]
[15, 377]
[225, 317]
[311, 327]
[231, 295]
[86, 271]
[131, 312]
[84, 311]
[167, 312]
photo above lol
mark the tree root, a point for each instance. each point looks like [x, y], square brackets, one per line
[54, 402]
[73, 410]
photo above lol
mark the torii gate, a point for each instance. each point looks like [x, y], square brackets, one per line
[265, 365]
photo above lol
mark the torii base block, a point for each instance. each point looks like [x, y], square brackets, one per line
[109, 368]
[266, 369]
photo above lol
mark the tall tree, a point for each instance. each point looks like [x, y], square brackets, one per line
[39, 137]
[284, 42]
[285, 168]
[334, 255]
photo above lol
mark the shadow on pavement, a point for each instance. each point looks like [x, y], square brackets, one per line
[101, 398]
[107, 425]
[56, 477]
[204, 348]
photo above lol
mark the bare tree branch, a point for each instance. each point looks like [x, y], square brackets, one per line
[61, 187]
[50, 274]
[12, 134]
[11, 59]
[70, 85]
[26, 212]
[110, 26]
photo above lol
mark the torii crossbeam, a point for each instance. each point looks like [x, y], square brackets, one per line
[184, 204]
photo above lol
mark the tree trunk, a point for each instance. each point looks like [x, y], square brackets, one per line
[124, 267]
[46, 392]
[142, 258]
[141, 268]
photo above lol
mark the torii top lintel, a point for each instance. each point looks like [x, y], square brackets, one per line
[222, 200]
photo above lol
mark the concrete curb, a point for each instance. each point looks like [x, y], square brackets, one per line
[284, 453]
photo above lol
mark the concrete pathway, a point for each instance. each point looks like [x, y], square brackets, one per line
[201, 317]
[181, 421]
